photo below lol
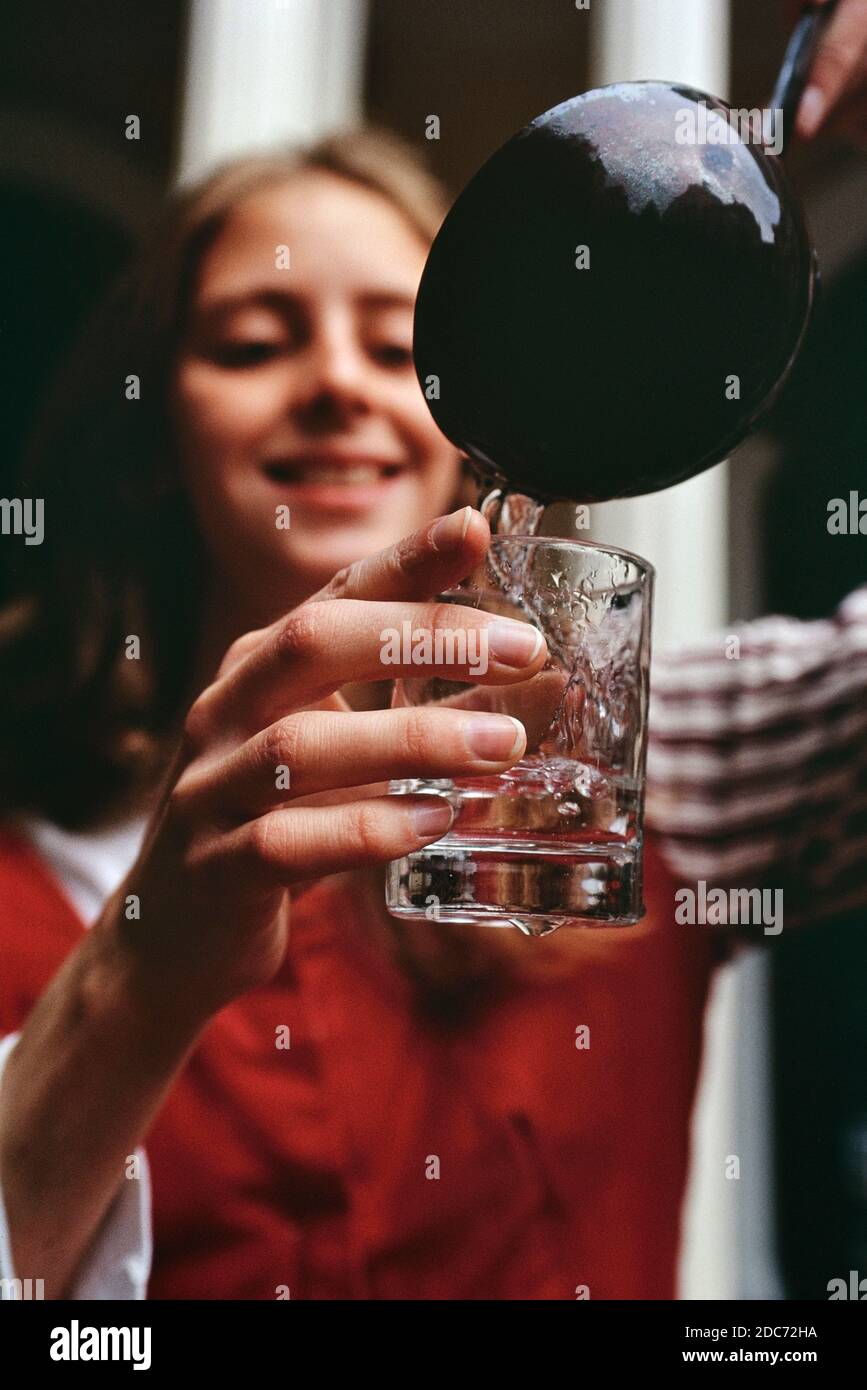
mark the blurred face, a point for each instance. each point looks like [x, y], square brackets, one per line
[294, 394]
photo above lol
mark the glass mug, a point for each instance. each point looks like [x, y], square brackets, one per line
[557, 840]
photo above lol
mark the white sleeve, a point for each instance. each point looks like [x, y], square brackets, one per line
[118, 1263]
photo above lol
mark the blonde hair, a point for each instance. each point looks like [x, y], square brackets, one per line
[128, 557]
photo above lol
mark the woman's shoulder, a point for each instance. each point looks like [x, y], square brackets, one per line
[38, 925]
[26, 881]
[53, 883]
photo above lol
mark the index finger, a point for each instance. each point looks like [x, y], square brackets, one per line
[428, 562]
[839, 59]
[534, 702]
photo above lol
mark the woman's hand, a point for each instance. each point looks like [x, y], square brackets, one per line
[231, 838]
[204, 912]
[836, 95]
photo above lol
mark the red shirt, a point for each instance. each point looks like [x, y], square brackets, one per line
[380, 1158]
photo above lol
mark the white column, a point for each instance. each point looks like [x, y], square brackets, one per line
[684, 530]
[264, 73]
[669, 40]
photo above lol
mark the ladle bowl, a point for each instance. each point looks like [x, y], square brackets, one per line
[611, 306]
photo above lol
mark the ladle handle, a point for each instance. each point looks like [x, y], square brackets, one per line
[798, 61]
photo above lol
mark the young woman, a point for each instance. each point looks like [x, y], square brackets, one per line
[213, 1030]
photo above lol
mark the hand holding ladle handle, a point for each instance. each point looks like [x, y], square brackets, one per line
[798, 62]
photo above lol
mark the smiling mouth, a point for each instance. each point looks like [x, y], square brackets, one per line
[360, 474]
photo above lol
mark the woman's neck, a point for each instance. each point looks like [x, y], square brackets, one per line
[227, 615]
[223, 621]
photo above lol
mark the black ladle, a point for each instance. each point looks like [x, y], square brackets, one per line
[656, 359]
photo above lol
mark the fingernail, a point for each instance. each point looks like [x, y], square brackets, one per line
[431, 820]
[449, 532]
[514, 644]
[811, 111]
[495, 738]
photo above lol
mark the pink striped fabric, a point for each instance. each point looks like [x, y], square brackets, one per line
[757, 759]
